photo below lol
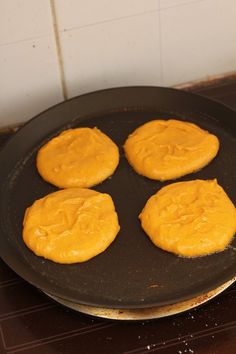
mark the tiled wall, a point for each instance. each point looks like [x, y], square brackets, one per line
[52, 50]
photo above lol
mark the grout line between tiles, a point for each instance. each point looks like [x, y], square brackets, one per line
[108, 20]
[186, 3]
[58, 49]
[28, 39]
[160, 41]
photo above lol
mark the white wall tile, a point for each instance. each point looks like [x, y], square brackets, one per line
[78, 13]
[24, 19]
[119, 53]
[198, 40]
[226, 24]
[171, 3]
[29, 79]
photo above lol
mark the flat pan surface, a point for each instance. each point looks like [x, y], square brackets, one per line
[132, 272]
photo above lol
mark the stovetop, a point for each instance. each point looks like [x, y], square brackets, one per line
[31, 323]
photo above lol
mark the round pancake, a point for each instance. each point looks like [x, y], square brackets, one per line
[168, 149]
[71, 225]
[81, 157]
[193, 218]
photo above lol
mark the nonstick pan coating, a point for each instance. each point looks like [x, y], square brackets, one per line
[132, 272]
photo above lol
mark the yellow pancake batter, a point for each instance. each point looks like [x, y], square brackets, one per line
[168, 149]
[71, 225]
[191, 218]
[80, 157]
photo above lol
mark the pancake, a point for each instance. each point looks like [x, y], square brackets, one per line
[81, 157]
[71, 225]
[168, 149]
[190, 219]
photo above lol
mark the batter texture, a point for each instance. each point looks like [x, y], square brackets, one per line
[71, 225]
[80, 157]
[168, 149]
[193, 218]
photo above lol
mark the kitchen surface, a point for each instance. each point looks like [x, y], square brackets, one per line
[32, 323]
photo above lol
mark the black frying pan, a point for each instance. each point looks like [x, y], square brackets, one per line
[132, 272]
